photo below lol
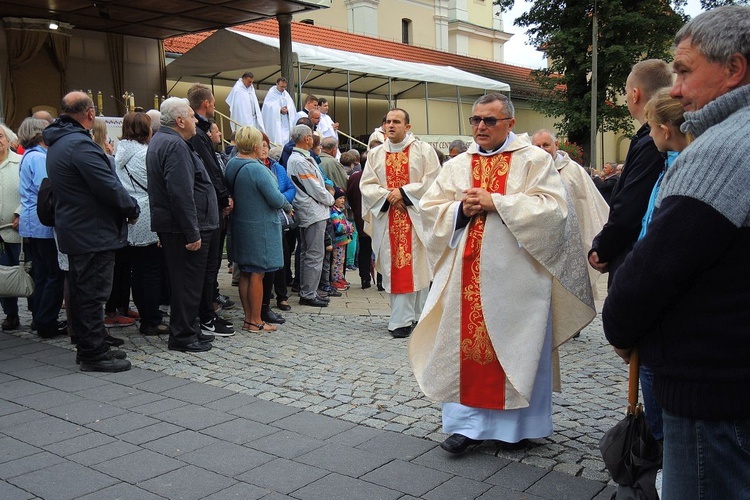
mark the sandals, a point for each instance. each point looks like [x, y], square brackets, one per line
[259, 327]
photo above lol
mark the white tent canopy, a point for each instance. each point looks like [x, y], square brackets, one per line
[227, 53]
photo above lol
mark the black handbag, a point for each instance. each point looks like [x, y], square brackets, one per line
[288, 221]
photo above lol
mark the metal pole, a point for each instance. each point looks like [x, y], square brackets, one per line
[349, 98]
[299, 86]
[458, 100]
[390, 94]
[594, 84]
[427, 107]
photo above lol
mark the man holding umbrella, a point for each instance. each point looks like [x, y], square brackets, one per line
[681, 297]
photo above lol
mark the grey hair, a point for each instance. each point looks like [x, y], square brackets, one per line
[719, 33]
[495, 96]
[9, 134]
[155, 116]
[299, 132]
[458, 144]
[329, 143]
[30, 131]
[173, 108]
[546, 131]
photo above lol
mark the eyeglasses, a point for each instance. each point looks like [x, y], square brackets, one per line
[489, 121]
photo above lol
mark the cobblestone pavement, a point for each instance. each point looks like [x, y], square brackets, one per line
[341, 362]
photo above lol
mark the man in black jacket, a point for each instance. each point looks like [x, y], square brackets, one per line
[185, 214]
[203, 103]
[92, 210]
[629, 198]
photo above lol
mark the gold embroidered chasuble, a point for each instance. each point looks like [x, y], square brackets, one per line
[531, 265]
[413, 168]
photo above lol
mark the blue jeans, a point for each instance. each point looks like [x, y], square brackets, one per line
[653, 409]
[9, 257]
[705, 459]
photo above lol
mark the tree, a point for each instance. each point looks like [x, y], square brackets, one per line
[629, 31]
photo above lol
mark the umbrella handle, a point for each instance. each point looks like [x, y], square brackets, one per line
[635, 363]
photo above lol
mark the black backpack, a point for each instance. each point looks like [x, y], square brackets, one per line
[45, 203]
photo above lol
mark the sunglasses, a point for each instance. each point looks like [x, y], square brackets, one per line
[489, 121]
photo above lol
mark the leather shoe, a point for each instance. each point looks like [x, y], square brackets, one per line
[11, 322]
[116, 353]
[192, 347]
[267, 315]
[113, 341]
[401, 333]
[283, 305]
[366, 284]
[110, 364]
[205, 337]
[316, 302]
[458, 443]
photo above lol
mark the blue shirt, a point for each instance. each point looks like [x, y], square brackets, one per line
[32, 171]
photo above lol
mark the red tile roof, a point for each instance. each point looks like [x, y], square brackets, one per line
[521, 84]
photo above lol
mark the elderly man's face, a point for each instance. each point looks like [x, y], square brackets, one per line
[490, 138]
[314, 116]
[544, 141]
[699, 81]
[609, 169]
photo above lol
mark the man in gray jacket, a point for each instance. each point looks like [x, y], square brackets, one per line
[312, 204]
[184, 212]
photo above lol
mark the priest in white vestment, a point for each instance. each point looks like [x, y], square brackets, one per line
[590, 207]
[395, 177]
[510, 285]
[326, 126]
[279, 113]
[243, 103]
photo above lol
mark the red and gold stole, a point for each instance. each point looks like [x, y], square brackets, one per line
[399, 224]
[482, 377]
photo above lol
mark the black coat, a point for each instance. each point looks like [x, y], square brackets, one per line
[202, 145]
[180, 192]
[91, 205]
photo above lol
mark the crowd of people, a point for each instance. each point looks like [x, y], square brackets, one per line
[484, 257]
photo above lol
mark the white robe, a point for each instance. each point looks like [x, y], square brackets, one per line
[279, 125]
[325, 127]
[590, 207]
[532, 271]
[424, 167]
[243, 106]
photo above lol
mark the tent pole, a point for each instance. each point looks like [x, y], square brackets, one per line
[390, 94]
[299, 86]
[349, 100]
[427, 107]
[285, 47]
[458, 100]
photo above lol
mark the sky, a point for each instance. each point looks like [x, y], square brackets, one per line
[520, 53]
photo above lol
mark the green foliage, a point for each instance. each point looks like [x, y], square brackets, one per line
[574, 151]
[629, 31]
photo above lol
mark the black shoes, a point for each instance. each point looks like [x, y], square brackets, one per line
[116, 353]
[219, 327]
[283, 305]
[267, 315]
[401, 333]
[316, 302]
[159, 329]
[366, 284]
[458, 443]
[192, 347]
[11, 322]
[205, 337]
[110, 362]
[113, 341]
[61, 328]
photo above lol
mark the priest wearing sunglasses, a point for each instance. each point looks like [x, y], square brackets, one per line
[510, 285]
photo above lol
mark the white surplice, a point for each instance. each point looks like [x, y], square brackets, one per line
[278, 125]
[243, 106]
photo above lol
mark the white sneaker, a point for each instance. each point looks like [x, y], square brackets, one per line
[658, 482]
[218, 327]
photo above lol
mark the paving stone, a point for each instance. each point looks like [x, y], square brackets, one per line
[241, 491]
[28, 464]
[110, 393]
[48, 399]
[198, 394]
[344, 460]
[231, 402]
[564, 487]
[180, 443]
[13, 449]
[516, 476]
[187, 483]
[457, 488]
[264, 411]
[10, 492]
[310, 424]
[149, 433]
[338, 487]
[158, 404]
[121, 490]
[356, 436]
[397, 445]
[160, 384]
[407, 477]
[40, 372]
[132, 377]
[138, 466]
[44, 431]
[194, 417]
[18, 388]
[472, 465]
[500, 493]
[124, 422]
[80, 443]
[74, 382]
[228, 459]
[285, 444]
[283, 476]
[63, 481]
[239, 430]
[85, 411]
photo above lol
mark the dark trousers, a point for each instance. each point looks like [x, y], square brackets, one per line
[364, 261]
[146, 282]
[119, 299]
[187, 271]
[90, 281]
[213, 260]
[49, 281]
[276, 281]
[9, 257]
[290, 239]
